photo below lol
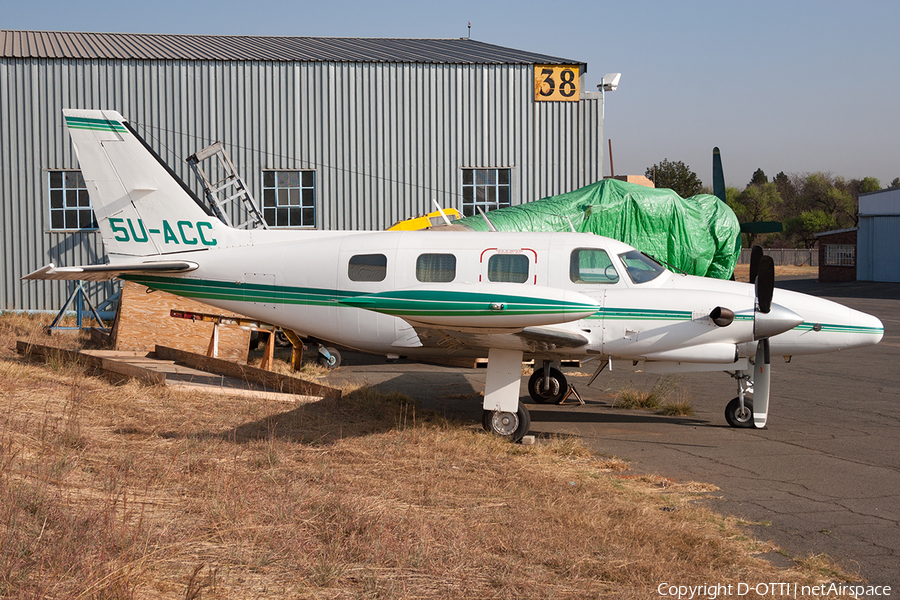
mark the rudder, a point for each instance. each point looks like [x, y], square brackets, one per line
[141, 206]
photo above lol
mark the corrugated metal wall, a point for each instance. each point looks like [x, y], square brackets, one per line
[384, 138]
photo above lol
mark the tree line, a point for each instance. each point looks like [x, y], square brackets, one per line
[805, 203]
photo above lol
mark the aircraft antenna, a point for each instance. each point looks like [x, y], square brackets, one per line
[488, 221]
[441, 210]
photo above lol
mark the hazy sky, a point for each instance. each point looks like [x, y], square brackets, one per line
[779, 85]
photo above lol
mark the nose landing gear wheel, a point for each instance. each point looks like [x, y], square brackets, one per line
[333, 361]
[554, 394]
[512, 426]
[735, 417]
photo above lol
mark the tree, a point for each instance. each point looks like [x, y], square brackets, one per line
[895, 183]
[760, 202]
[802, 228]
[676, 176]
[759, 178]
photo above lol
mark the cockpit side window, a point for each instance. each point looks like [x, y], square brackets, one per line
[367, 267]
[591, 266]
[641, 268]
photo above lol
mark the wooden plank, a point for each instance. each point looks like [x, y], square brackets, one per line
[129, 370]
[144, 321]
[94, 362]
[275, 381]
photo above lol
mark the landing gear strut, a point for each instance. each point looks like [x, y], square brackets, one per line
[739, 412]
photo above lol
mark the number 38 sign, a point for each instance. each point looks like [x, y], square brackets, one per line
[556, 83]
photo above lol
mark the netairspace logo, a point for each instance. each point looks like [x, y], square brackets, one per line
[772, 590]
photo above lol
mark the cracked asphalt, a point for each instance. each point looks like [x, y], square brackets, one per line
[822, 478]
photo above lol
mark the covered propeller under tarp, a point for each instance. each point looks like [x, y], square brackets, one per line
[699, 235]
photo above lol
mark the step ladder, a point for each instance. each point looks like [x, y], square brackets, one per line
[228, 189]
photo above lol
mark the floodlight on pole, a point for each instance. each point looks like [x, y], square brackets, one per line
[608, 83]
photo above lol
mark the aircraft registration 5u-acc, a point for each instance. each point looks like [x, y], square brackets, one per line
[550, 296]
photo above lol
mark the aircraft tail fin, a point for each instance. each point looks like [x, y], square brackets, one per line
[142, 207]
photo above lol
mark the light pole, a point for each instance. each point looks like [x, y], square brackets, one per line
[608, 83]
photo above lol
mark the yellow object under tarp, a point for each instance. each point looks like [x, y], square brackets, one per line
[432, 219]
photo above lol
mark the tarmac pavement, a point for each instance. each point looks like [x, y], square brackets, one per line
[823, 477]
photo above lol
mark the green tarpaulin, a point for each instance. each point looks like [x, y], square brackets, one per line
[699, 235]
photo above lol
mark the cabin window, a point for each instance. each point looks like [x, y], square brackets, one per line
[591, 265]
[487, 189]
[289, 198]
[641, 268]
[436, 268]
[509, 268]
[367, 267]
[70, 205]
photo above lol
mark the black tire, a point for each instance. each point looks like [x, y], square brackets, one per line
[335, 361]
[511, 426]
[558, 387]
[733, 413]
[282, 340]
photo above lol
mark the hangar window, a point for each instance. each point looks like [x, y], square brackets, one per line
[289, 198]
[367, 267]
[840, 255]
[485, 188]
[70, 205]
[436, 268]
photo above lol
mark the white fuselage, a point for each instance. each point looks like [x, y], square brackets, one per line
[305, 284]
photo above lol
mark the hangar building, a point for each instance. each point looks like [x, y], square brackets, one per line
[329, 133]
[879, 223]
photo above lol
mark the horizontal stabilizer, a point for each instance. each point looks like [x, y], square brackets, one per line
[106, 272]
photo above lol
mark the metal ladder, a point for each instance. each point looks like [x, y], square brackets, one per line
[230, 188]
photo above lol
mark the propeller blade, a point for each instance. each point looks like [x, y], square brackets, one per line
[755, 254]
[718, 176]
[762, 377]
[765, 283]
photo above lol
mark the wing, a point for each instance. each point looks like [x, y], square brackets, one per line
[105, 272]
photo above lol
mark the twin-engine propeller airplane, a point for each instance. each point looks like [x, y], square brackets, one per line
[550, 296]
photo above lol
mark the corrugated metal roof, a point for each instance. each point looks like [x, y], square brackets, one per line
[145, 46]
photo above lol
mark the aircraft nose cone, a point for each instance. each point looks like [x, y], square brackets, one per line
[778, 320]
[868, 325]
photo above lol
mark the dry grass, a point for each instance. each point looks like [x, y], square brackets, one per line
[742, 272]
[633, 397]
[130, 491]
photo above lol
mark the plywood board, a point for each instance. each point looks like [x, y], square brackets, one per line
[143, 322]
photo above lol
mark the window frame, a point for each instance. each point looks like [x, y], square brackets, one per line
[508, 256]
[420, 270]
[576, 252]
[365, 267]
[303, 203]
[840, 255]
[498, 189]
[65, 210]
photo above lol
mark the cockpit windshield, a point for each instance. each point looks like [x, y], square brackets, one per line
[641, 268]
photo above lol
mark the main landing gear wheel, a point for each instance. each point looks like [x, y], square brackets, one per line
[735, 417]
[330, 362]
[554, 394]
[512, 426]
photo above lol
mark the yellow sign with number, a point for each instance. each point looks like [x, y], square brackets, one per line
[556, 83]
